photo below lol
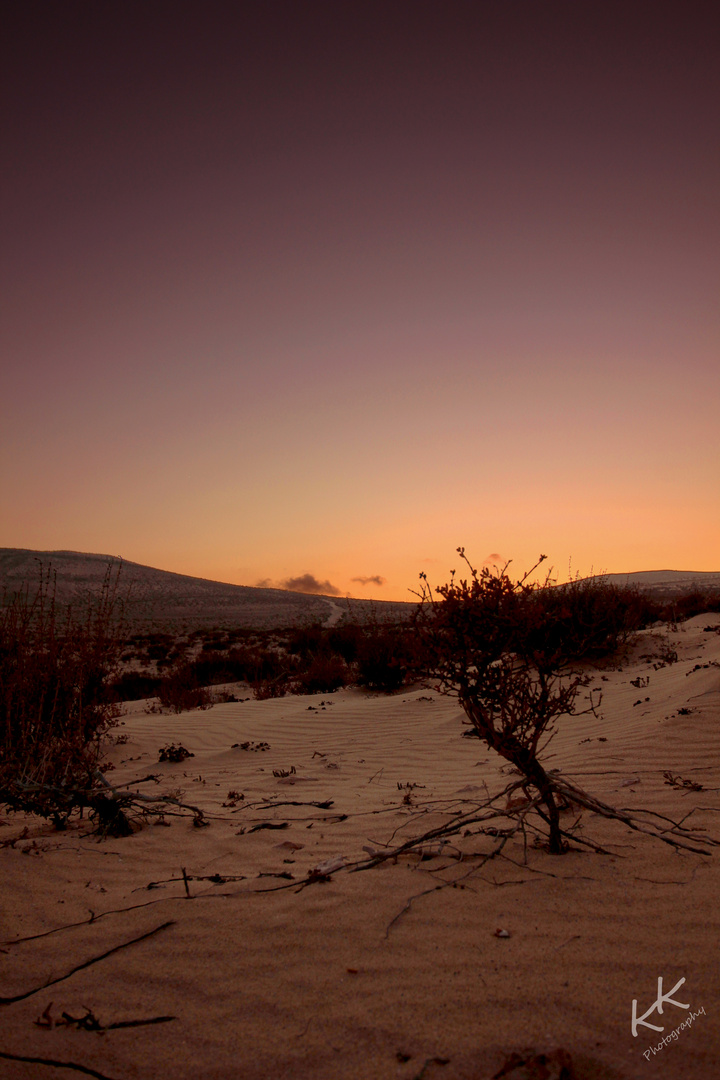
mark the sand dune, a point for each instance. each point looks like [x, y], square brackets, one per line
[397, 971]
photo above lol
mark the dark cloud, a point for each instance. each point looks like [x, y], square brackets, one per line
[308, 583]
[374, 579]
[305, 583]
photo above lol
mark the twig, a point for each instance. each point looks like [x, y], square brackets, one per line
[407, 906]
[56, 1064]
[628, 818]
[85, 964]
[138, 1023]
[444, 885]
[292, 802]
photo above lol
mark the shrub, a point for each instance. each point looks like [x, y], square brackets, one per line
[500, 645]
[695, 601]
[323, 675]
[585, 619]
[56, 668]
[179, 690]
[345, 641]
[135, 685]
[384, 658]
[308, 641]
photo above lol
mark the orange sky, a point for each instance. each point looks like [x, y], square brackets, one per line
[335, 293]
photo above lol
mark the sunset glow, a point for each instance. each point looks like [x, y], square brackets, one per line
[305, 289]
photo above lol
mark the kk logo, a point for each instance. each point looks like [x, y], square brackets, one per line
[662, 999]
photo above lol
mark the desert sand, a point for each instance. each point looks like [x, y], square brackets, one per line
[350, 977]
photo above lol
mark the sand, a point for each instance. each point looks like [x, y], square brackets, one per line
[347, 978]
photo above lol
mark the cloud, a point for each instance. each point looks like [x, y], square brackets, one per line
[308, 583]
[494, 559]
[374, 579]
[305, 583]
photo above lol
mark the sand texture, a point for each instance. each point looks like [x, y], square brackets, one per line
[397, 971]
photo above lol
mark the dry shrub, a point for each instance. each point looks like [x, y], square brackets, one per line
[497, 645]
[55, 704]
[322, 675]
[385, 660]
[179, 690]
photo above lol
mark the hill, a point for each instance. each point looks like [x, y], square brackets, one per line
[155, 597]
[666, 584]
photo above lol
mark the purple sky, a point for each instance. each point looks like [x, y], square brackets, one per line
[328, 289]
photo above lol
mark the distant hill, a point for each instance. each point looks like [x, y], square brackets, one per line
[159, 597]
[667, 583]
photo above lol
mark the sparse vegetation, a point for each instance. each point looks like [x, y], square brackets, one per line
[501, 648]
[506, 648]
[55, 671]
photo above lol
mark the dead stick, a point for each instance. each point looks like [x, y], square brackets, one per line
[85, 964]
[56, 1064]
[185, 881]
[407, 907]
[138, 1023]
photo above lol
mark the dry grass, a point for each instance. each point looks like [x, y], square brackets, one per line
[55, 668]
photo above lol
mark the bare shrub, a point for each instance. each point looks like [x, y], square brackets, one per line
[501, 650]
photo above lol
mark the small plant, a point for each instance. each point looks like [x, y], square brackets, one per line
[233, 798]
[676, 781]
[174, 753]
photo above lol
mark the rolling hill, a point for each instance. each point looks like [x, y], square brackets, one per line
[160, 597]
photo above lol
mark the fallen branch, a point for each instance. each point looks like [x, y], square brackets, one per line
[85, 964]
[90, 1022]
[55, 1064]
[680, 838]
[292, 802]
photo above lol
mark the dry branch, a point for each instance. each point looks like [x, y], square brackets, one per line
[85, 964]
[55, 1064]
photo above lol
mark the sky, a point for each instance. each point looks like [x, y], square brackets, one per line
[310, 294]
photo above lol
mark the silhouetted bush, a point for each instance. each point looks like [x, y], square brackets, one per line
[384, 658]
[584, 619]
[694, 602]
[179, 690]
[499, 646]
[56, 668]
[345, 641]
[134, 685]
[308, 641]
[323, 675]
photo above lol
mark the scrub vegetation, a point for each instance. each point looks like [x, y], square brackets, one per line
[56, 698]
[513, 652]
[510, 650]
